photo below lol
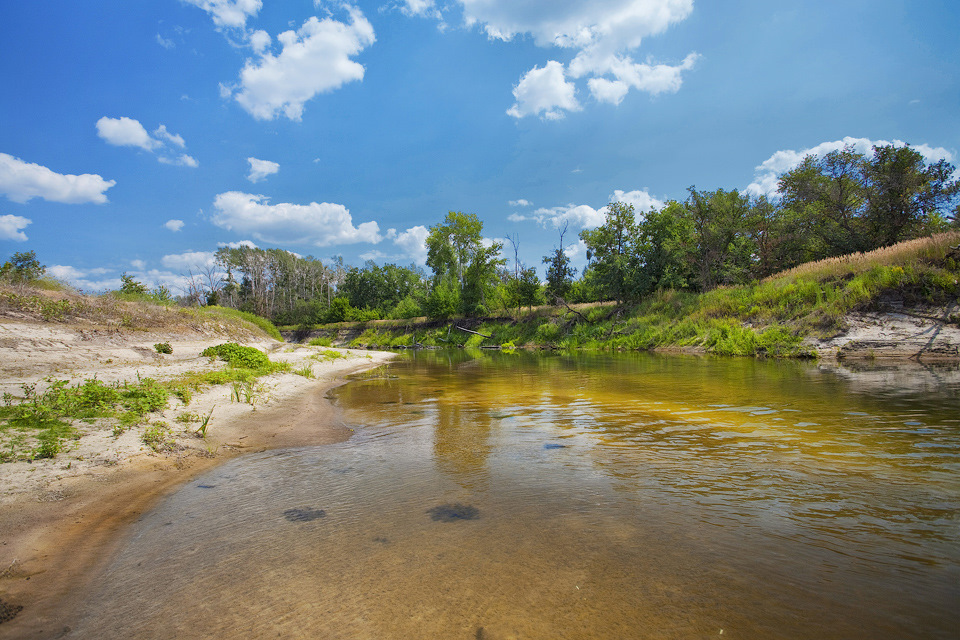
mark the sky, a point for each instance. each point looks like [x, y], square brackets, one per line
[140, 137]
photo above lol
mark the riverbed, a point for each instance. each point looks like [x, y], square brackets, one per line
[572, 496]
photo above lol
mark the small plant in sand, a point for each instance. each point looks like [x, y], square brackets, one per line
[247, 391]
[306, 371]
[204, 423]
[163, 347]
[158, 437]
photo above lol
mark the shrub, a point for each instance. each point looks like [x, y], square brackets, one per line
[320, 342]
[163, 347]
[239, 356]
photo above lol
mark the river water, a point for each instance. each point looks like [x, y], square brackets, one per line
[573, 496]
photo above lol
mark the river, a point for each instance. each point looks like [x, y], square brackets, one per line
[573, 496]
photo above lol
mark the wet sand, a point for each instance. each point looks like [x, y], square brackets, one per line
[60, 520]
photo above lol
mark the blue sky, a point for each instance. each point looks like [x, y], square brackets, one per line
[141, 136]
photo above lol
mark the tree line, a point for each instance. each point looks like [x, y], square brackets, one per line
[839, 203]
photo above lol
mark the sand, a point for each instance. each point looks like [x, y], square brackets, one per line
[60, 518]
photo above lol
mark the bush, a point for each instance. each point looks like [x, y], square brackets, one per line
[163, 347]
[240, 357]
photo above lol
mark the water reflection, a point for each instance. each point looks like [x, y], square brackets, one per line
[581, 496]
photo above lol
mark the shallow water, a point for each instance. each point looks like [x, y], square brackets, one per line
[528, 496]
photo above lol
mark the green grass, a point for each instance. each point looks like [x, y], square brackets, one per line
[41, 425]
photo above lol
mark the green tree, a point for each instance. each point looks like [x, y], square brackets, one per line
[560, 274]
[667, 248]
[613, 254]
[22, 267]
[906, 197]
[723, 222]
[524, 290]
[464, 270]
[131, 286]
[452, 244]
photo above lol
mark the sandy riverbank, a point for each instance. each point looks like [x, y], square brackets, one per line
[60, 518]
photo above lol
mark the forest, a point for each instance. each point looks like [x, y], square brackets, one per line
[841, 203]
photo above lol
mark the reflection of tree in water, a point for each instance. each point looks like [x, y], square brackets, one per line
[461, 440]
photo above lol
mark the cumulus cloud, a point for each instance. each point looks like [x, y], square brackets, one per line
[260, 169]
[544, 90]
[603, 33]
[128, 132]
[642, 201]
[413, 242]
[767, 174]
[21, 181]
[138, 264]
[86, 279]
[320, 224]
[189, 260]
[174, 225]
[522, 202]
[586, 217]
[314, 59]
[166, 43]
[11, 228]
[229, 13]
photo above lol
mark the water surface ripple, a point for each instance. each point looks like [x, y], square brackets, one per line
[530, 496]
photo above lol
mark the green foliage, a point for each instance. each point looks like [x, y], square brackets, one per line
[22, 268]
[158, 437]
[240, 357]
[306, 371]
[339, 310]
[131, 286]
[409, 307]
[163, 347]
[320, 342]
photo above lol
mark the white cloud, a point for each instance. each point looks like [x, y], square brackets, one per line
[603, 32]
[522, 202]
[321, 224]
[189, 260]
[237, 245]
[654, 79]
[259, 40]
[172, 138]
[127, 132]
[11, 228]
[769, 171]
[544, 90]
[165, 43]
[260, 169]
[85, 279]
[174, 225]
[579, 215]
[423, 8]
[586, 217]
[642, 201]
[413, 241]
[229, 13]
[315, 59]
[20, 181]
[140, 265]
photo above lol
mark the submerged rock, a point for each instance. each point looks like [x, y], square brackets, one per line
[303, 515]
[9, 611]
[453, 512]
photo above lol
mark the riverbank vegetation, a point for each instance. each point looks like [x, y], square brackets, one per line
[727, 271]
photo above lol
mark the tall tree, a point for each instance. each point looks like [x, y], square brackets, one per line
[559, 272]
[613, 253]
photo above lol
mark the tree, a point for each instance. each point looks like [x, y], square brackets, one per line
[131, 286]
[524, 290]
[464, 270]
[22, 267]
[612, 252]
[559, 272]
[667, 248]
[722, 224]
[453, 243]
[905, 196]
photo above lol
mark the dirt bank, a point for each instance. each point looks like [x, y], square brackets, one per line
[60, 518]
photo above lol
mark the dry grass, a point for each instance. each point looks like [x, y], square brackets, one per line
[63, 305]
[930, 250]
